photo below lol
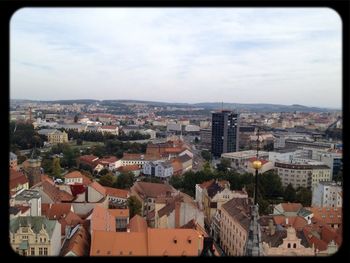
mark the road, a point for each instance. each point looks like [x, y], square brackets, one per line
[198, 161]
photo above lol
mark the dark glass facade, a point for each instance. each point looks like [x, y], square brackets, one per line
[224, 133]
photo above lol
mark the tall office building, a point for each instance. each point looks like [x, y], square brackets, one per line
[225, 131]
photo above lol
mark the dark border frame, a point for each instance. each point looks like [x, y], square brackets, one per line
[9, 7]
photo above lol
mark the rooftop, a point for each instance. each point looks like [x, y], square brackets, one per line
[26, 195]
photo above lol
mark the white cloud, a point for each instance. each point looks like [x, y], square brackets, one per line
[185, 55]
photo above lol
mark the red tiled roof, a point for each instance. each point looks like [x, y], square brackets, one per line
[71, 219]
[297, 222]
[108, 160]
[88, 158]
[101, 219]
[56, 194]
[327, 215]
[121, 193]
[79, 243]
[137, 224]
[129, 168]
[45, 177]
[99, 188]
[152, 242]
[291, 207]
[55, 211]
[152, 189]
[77, 174]
[17, 178]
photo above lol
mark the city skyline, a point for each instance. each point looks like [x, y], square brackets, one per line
[178, 55]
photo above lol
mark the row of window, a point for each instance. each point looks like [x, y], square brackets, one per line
[42, 251]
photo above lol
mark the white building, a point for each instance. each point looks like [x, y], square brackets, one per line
[30, 198]
[241, 160]
[327, 194]
[302, 174]
[161, 169]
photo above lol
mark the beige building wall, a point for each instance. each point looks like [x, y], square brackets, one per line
[233, 235]
[291, 246]
[38, 245]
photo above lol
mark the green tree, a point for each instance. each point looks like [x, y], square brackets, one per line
[270, 184]
[151, 179]
[304, 196]
[79, 141]
[56, 167]
[176, 182]
[206, 155]
[289, 194]
[107, 180]
[104, 171]
[224, 165]
[134, 206]
[124, 180]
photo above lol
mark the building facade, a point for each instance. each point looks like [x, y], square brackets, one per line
[326, 194]
[35, 236]
[224, 133]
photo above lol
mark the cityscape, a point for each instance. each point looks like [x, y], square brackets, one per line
[142, 141]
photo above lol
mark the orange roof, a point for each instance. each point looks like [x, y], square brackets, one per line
[137, 224]
[119, 212]
[152, 242]
[174, 242]
[45, 177]
[71, 219]
[56, 210]
[152, 189]
[101, 219]
[108, 159]
[89, 159]
[298, 222]
[79, 243]
[327, 215]
[173, 150]
[129, 168]
[56, 194]
[206, 184]
[74, 174]
[105, 243]
[99, 188]
[291, 207]
[17, 178]
[121, 193]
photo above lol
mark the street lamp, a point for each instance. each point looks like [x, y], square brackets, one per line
[257, 166]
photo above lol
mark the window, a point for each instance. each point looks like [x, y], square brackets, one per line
[45, 251]
[289, 245]
[32, 251]
[294, 245]
[40, 251]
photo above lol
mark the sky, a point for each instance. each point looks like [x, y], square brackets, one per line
[240, 55]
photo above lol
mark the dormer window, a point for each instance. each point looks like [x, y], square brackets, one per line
[175, 240]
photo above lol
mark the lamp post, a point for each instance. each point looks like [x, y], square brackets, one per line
[257, 166]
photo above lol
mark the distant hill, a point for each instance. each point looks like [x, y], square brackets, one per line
[254, 107]
[262, 107]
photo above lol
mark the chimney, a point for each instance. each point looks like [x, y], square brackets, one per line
[286, 221]
[177, 214]
[271, 227]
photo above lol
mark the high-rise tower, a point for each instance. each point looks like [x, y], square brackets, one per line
[224, 132]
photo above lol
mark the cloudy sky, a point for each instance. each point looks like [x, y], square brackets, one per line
[242, 55]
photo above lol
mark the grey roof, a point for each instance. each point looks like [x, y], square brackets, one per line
[239, 208]
[13, 156]
[26, 195]
[304, 212]
[35, 222]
